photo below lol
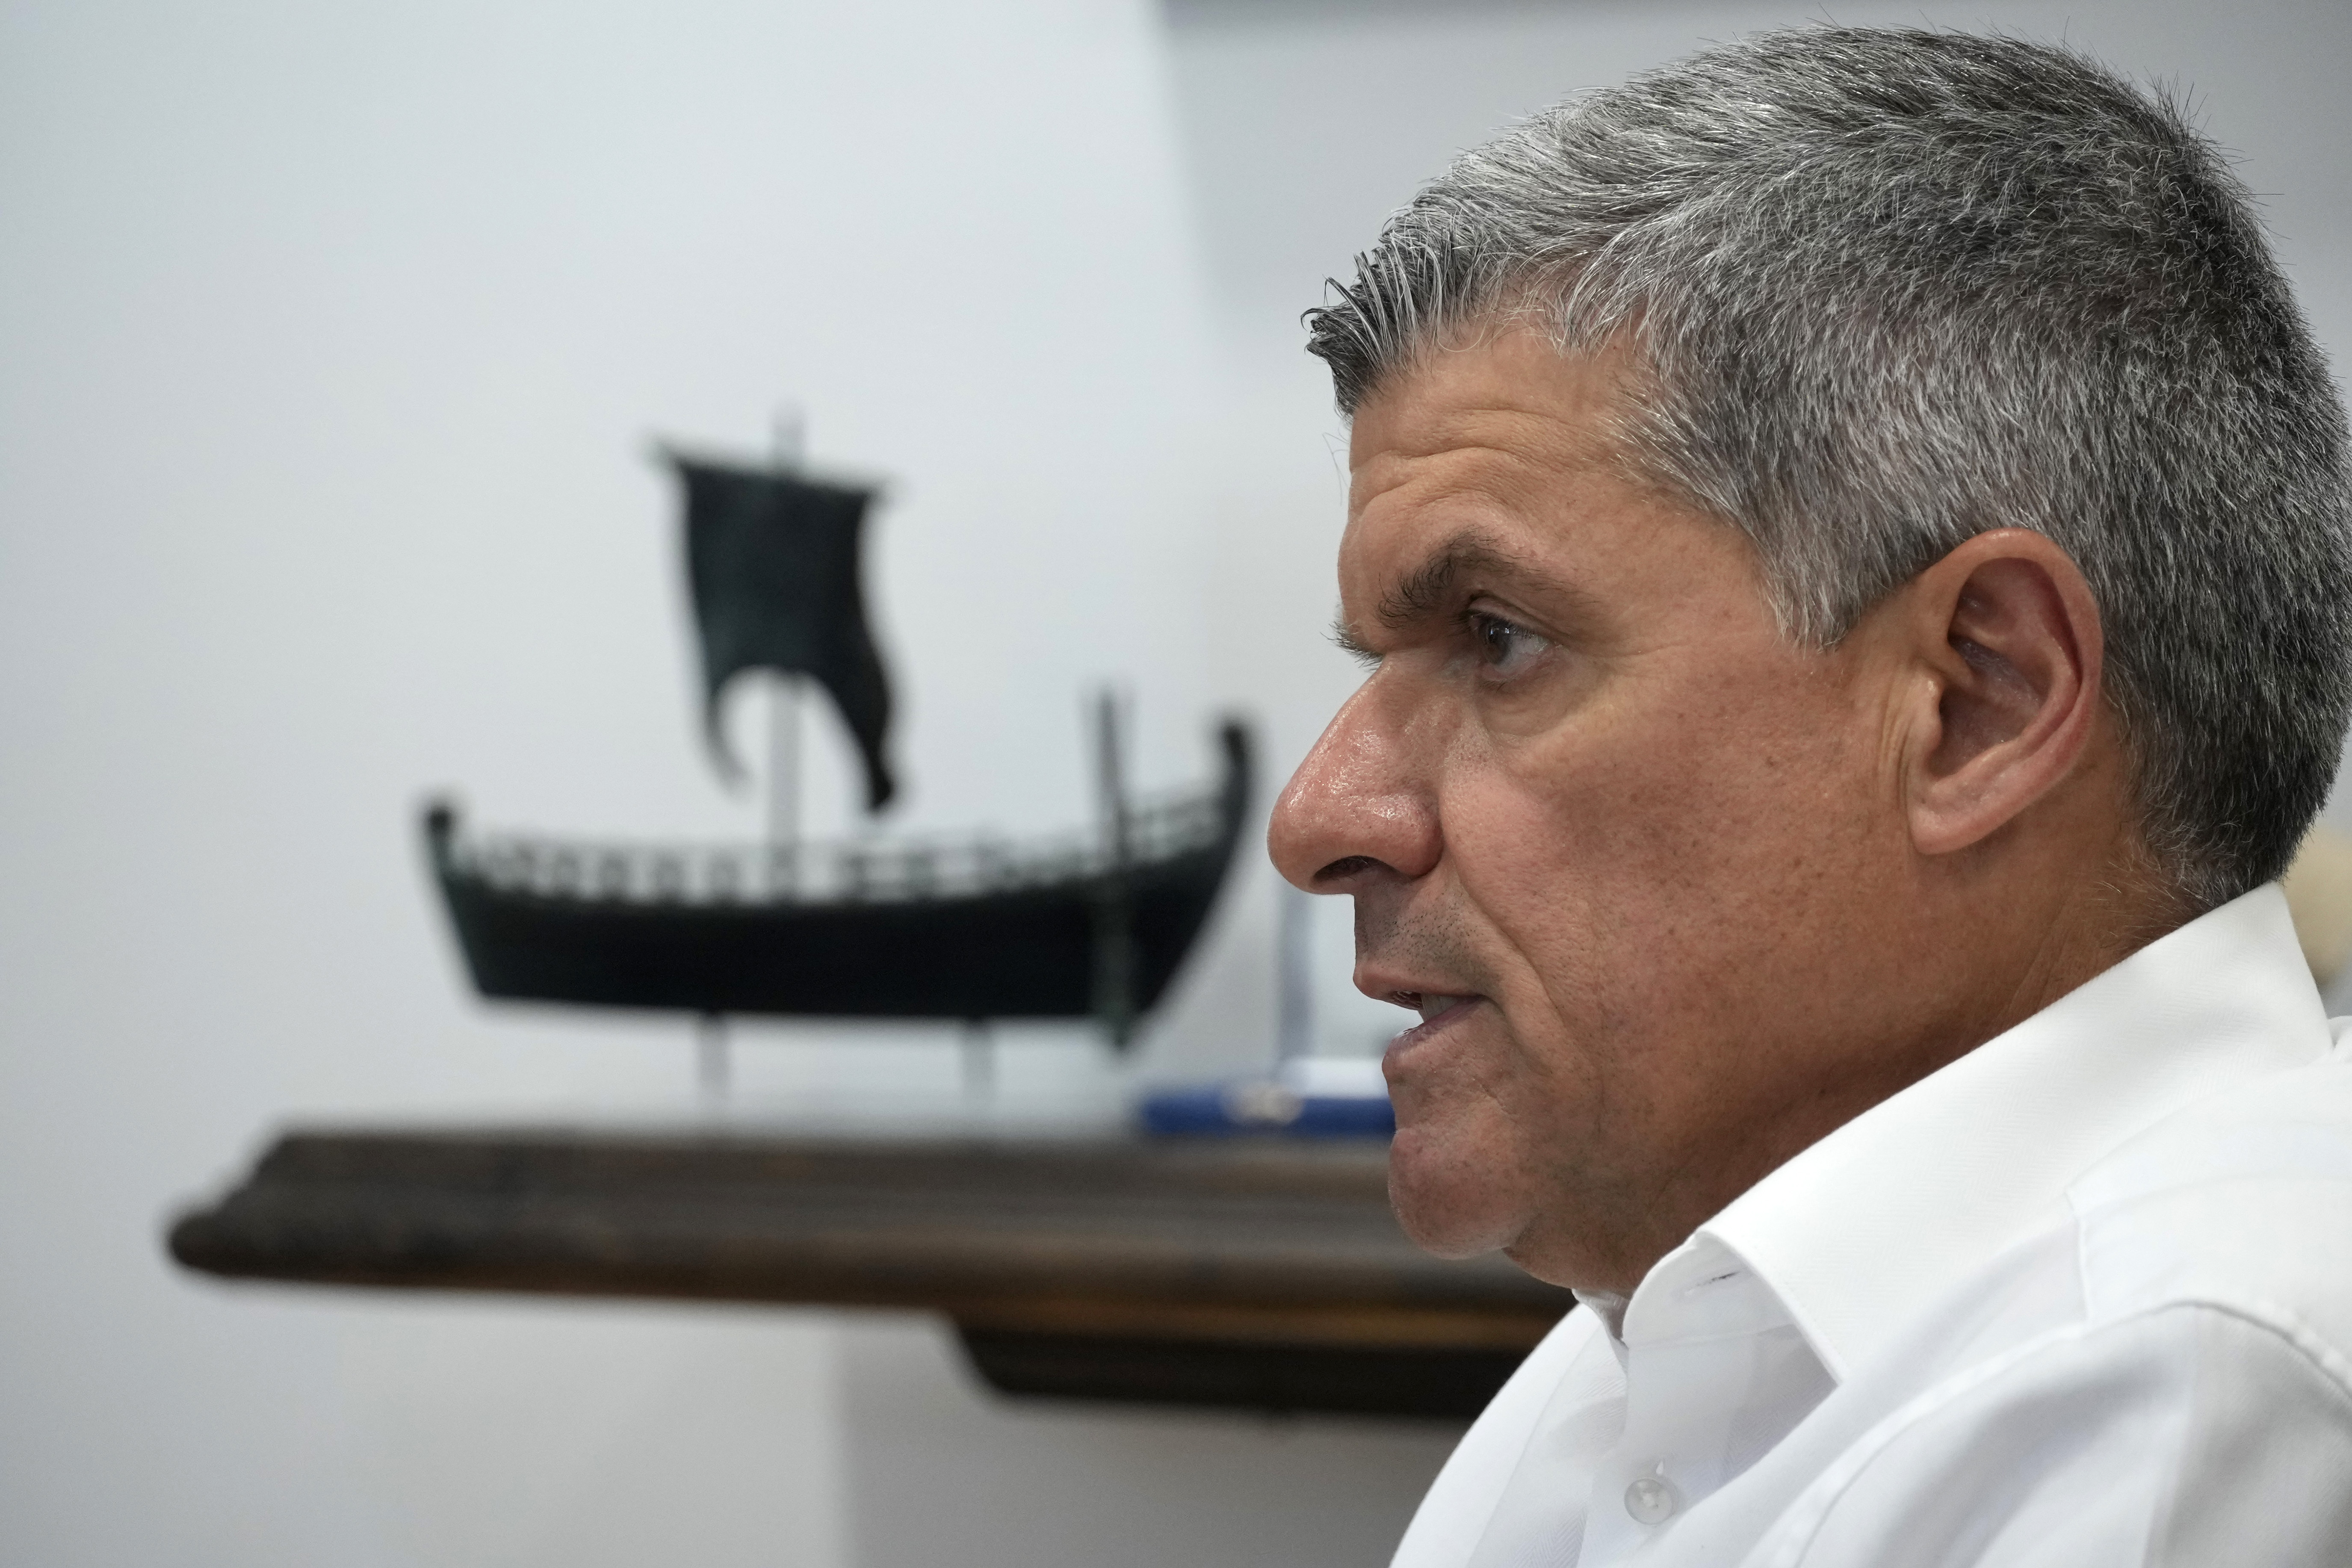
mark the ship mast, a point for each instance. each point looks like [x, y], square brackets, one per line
[784, 698]
[1114, 977]
[714, 1049]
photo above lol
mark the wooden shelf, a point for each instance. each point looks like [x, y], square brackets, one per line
[1257, 1273]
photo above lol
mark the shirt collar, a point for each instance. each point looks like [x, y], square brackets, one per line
[1868, 1225]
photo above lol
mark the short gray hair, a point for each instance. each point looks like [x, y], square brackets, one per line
[1892, 288]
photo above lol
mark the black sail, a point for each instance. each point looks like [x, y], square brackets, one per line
[773, 562]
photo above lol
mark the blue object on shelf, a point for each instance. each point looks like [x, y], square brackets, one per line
[1304, 1098]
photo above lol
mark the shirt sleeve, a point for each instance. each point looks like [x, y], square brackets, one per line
[2187, 1437]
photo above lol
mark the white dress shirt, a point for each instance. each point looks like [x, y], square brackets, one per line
[2082, 1298]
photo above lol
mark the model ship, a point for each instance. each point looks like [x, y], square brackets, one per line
[1093, 924]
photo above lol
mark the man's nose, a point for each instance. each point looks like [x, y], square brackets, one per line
[1359, 808]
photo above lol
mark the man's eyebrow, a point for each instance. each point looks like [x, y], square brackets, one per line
[1427, 591]
[1423, 593]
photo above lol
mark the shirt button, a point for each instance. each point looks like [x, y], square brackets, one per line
[1651, 1500]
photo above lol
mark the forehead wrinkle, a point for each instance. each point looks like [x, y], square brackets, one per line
[1458, 466]
[1524, 480]
[1512, 420]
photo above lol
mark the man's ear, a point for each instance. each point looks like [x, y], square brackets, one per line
[2007, 643]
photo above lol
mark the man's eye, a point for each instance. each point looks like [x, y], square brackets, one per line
[1504, 647]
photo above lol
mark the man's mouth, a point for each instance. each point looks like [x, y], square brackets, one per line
[1438, 1010]
[1430, 1005]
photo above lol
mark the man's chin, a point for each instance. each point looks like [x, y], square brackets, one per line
[1447, 1203]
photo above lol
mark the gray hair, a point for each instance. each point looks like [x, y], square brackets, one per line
[1892, 288]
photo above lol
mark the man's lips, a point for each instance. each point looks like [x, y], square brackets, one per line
[1438, 1011]
[1431, 1006]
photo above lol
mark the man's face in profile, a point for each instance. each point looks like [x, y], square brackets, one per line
[1630, 850]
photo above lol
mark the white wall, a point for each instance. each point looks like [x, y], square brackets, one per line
[329, 340]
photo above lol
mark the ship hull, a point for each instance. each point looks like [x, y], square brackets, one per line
[1032, 950]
